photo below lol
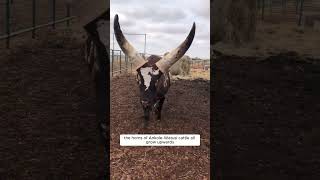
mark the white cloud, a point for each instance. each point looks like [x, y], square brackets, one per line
[166, 23]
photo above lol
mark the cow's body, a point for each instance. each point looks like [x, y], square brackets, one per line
[153, 86]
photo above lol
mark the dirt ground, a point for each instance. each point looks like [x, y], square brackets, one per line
[21, 17]
[48, 120]
[186, 110]
[265, 118]
[275, 38]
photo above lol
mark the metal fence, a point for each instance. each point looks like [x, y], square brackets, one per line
[120, 64]
[22, 16]
[301, 12]
[203, 64]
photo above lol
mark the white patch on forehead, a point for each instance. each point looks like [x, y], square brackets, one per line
[146, 74]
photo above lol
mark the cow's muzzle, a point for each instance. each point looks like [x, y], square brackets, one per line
[145, 104]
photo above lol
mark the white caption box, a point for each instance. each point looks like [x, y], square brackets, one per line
[159, 140]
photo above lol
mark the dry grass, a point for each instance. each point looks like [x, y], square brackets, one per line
[202, 74]
[195, 74]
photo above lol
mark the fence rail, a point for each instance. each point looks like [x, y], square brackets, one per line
[294, 11]
[119, 63]
[200, 64]
[51, 21]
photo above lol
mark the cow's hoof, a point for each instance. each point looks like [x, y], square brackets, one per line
[158, 118]
[103, 130]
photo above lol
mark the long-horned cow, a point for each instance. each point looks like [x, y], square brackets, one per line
[153, 72]
[96, 56]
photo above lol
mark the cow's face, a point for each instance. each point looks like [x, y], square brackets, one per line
[148, 77]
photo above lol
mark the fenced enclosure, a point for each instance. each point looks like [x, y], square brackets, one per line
[203, 64]
[120, 63]
[20, 16]
[301, 12]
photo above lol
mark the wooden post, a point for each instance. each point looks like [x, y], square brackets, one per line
[34, 18]
[68, 14]
[262, 16]
[301, 11]
[120, 62]
[54, 14]
[8, 22]
[145, 44]
[112, 62]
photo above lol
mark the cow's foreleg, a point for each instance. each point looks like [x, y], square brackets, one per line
[161, 101]
[146, 116]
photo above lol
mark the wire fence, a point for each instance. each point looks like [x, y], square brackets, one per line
[203, 64]
[21, 16]
[120, 63]
[301, 12]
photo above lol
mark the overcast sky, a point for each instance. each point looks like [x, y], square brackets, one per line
[166, 23]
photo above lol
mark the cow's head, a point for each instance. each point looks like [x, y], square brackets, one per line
[150, 71]
[148, 78]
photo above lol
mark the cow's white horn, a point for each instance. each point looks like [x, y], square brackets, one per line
[170, 58]
[126, 47]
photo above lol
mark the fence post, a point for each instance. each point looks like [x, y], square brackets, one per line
[145, 44]
[8, 22]
[262, 16]
[126, 59]
[270, 7]
[203, 64]
[112, 62]
[33, 18]
[54, 14]
[120, 62]
[68, 14]
[301, 11]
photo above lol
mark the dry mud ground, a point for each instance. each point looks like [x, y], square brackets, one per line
[185, 111]
[48, 125]
[266, 118]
